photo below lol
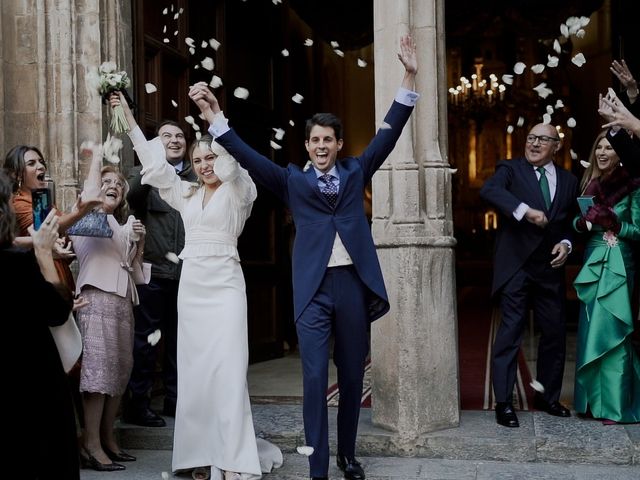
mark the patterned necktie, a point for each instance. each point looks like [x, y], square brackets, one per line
[329, 190]
[544, 186]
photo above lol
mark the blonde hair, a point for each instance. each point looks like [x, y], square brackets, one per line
[206, 141]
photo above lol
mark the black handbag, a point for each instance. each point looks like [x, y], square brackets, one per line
[93, 224]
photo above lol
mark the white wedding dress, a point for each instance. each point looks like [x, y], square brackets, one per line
[214, 425]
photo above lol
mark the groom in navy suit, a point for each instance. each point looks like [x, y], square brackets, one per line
[337, 282]
[537, 202]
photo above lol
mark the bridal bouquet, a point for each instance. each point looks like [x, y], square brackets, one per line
[109, 81]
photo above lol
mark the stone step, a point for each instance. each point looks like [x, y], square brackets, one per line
[540, 438]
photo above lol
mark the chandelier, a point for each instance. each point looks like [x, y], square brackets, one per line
[476, 97]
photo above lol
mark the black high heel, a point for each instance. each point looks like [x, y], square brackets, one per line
[89, 461]
[121, 456]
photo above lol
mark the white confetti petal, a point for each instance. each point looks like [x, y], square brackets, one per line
[207, 63]
[198, 135]
[510, 129]
[297, 98]
[520, 122]
[308, 42]
[564, 30]
[550, 110]
[278, 133]
[172, 7]
[559, 104]
[306, 451]
[196, 127]
[165, 475]
[537, 68]
[165, 11]
[196, 67]
[519, 67]
[204, 44]
[453, 171]
[166, 40]
[546, 119]
[552, 61]
[579, 60]
[556, 46]
[584, 164]
[150, 88]
[507, 78]
[181, 10]
[292, 123]
[284, 52]
[215, 82]
[574, 155]
[584, 21]
[175, 17]
[580, 33]
[192, 50]
[334, 44]
[241, 92]
[175, 33]
[340, 53]
[537, 386]
[154, 338]
[172, 257]
[362, 63]
[164, 29]
[190, 42]
[385, 126]
[274, 145]
[276, 2]
[542, 90]
[173, 102]
[215, 44]
[189, 119]
[571, 122]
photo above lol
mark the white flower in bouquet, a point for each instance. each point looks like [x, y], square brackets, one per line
[108, 81]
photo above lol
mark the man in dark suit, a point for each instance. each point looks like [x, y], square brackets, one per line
[337, 281]
[537, 201]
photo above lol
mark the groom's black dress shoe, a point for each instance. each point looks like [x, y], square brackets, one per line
[350, 467]
[506, 415]
[552, 408]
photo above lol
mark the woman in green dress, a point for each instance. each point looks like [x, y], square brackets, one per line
[607, 381]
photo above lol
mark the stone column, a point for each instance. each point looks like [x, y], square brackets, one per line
[414, 347]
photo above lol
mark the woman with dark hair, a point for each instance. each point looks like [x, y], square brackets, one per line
[45, 443]
[108, 270]
[607, 380]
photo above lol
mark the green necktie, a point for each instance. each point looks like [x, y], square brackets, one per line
[544, 186]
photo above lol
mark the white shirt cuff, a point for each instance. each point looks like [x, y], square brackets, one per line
[520, 211]
[568, 244]
[407, 97]
[219, 126]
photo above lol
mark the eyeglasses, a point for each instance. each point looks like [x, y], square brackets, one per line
[107, 182]
[543, 139]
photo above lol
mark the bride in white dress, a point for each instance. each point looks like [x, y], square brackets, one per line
[214, 434]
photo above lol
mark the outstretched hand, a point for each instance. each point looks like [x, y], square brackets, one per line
[407, 54]
[622, 72]
[204, 98]
[616, 114]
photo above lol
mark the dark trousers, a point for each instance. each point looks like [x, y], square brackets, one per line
[339, 305]
[545, 294]
[157, 310]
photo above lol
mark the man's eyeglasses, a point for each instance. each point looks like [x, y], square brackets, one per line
[543, 139]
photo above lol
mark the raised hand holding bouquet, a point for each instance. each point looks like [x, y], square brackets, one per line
[108, 81]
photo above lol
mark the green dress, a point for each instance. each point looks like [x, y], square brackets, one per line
[607, 380]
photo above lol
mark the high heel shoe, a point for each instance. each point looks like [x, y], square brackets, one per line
[89, 461]
[120, 456]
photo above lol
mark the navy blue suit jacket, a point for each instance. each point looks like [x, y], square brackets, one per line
[316, 222]
[515, 182]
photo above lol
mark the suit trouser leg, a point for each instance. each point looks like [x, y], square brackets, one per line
[314, 330]
[350, 352]
[549, 313]
[513, 303]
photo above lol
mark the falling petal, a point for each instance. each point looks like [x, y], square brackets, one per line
[150, 88]
[559, 104]
[284, 52]
[556, 46]
[166, 40]
[165, 475]
[198, 135]
[552, 61]
[196, 67]
[215, 44]
[339, 52]
[537, 68]
[113, 159]
[510, 129]
[172, 257]
[274, 145]
[579, 60]
[297, 98]
[306, 167]
[584, 164]
[537, 386]
[334, 44]
[507, 78]
[181, 10]
[175, 17]
[584, 21]
[564, 30]
[520, 122]
[385, 126]
[173, 102]
[207, 63]
[571, 122]
[542, 90]
[306, 451]
[308, 42]
[190, 42]
[175, 34]
[241, 92]
[546, 119]
[574, 155]
[164, 29]
[165, 11]
[196, 127]
[519, 67]
[453, 171]
[215, 82]
[154, 338]
[362, 63]
[172, 7]
[278, 133]
[292, 123]
[189, 119]
[276, 2]
[580, 33]
[192, 50]
[549, 109]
